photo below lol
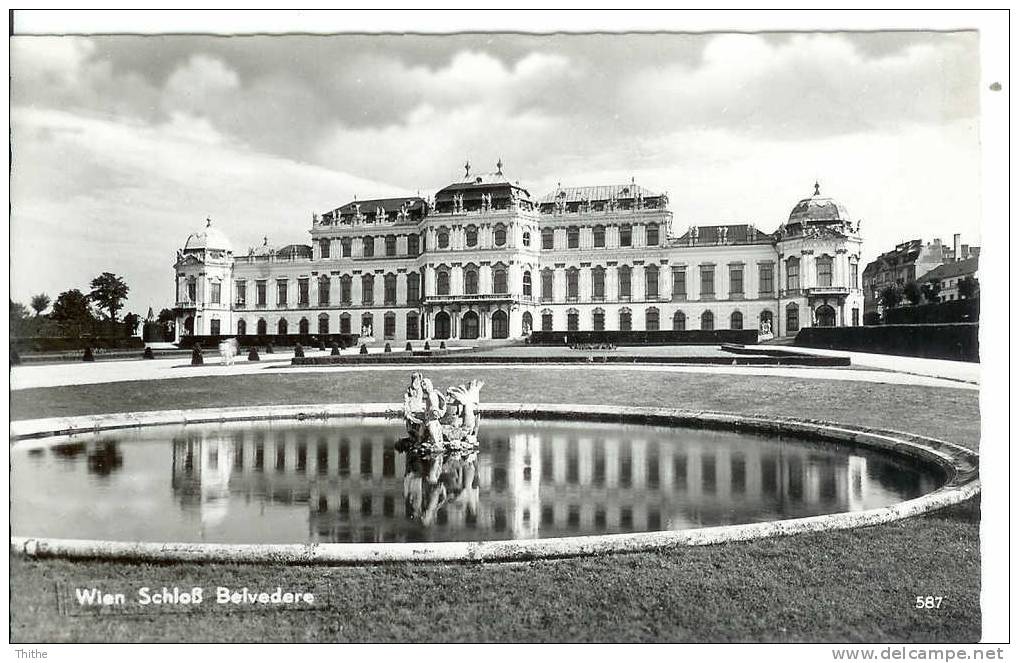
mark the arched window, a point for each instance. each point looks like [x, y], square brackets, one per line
[412, 326]
[242, 328]
[792, 274]
[651, 319]
[281, 327]
[598, 284]
[599, 237]
[367, 289]
[368, 243]
[389, 292]
[573, 320]
[824, 271]
[367, 324]
[499, 280]
[500, 237]
[304, 327]
[527, 238]
[707, 320]
[471, 280]
[261, 327]
[344, 323]
[546, 285]
[500, 324]
[345, 288]
[573, 237]
[546, 320]
[389, 325]
[679, 321]
[390, 245]
[469, 325]
[442, 237]
[625, 235]
[471, 235]
[413, 287]
[651, 282]
[442, 281]
[527, 322]
[736, 320]
[547, 238]
[792, 318]
[625, 319]
[527, 283]
[572, 284]
[624, 282]
[323, 323]
[598, 319]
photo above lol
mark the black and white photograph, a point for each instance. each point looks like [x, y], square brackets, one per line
[514, 327]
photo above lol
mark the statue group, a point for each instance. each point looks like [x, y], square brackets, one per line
[441, 422]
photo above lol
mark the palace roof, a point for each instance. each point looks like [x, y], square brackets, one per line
[818, 209]
[208, 238]
[415, 206]
[738, 233]
[576, 194]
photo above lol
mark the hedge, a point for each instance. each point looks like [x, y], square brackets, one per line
[958, 341]
[956, 310]
[282, 340]
[65, 343]
[661, 337]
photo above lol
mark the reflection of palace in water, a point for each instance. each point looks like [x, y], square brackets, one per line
[540, 482]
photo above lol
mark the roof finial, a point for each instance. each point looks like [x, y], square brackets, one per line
[498, 166]
[467, 168]
[208, 222]
[817, 188]
[265, 240]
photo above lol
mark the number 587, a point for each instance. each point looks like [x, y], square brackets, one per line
[928, 602]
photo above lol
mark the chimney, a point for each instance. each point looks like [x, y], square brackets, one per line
[955, 246]
[965, 252]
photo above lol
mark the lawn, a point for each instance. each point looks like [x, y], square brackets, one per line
[857, 585]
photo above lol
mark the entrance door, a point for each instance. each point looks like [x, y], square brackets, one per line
[825, 316]
[469, 325]
[500, 325]
[442, 325]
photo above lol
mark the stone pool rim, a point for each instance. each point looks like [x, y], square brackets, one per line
[958, 465]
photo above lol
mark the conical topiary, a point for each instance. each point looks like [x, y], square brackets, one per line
[364, 349]
[409, 347]
[336, 350]
[427, 347]
[253, 354]
[387, 348]
[268, 348]
[147, 354]
[88, 356]
[298, 350]
[196, 355]
[442, 345]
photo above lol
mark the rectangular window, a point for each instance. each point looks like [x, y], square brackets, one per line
[391, 245]
[573, 238]
[389, 326]
[281, 293]
[242, 293]
[324, 244]
[368, 244]
[735, 279]
[547, 238]
[652, 235]
[192, 290]
[854, 275]
[546, 286]
[792, 274]
[856, 317]
[323, 291]
[599, 237]
[368, 289]
[707, 281]
[824, 272]
[766, 274]
[678, 284]
[214, 327]
[624, 283]
[344, 328]
[260, 293]
[215, 292]
[625, 236]
[390, 290]
[302, 292]
[572, 285]
[412, 245]
[598, 284]
[345, 247]
[345, 290]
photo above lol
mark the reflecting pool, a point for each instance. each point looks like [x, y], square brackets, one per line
[343, 481]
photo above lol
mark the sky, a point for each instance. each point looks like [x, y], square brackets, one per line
[123, 145]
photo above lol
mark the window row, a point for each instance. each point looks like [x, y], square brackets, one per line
[652, 237]
[823, 271]
[389, 290]
[389, 249]
[324, 325]
[652, 320]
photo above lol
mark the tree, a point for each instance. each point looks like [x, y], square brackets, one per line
[969, 288]
[890, 296]
[109, 292]
[131, 321]
[72, 312]
[931, 291]
[166, 316]
[911, 291]
[40, 303]
[18, 311]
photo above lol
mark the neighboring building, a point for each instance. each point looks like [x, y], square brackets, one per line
[949, 275]
[909, 261]
[485, 260]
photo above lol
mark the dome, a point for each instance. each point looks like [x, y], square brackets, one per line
[818, 209]
[294, 251]
[209, 238]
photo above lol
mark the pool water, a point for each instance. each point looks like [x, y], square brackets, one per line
[342, 481]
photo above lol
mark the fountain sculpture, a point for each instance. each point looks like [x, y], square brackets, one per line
[438, 422]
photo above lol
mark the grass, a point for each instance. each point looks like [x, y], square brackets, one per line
[857, 585]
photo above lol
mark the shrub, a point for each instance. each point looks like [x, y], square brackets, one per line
[196, 355]
[442, 345]
[336, 349]
[253, 354]
[364, 349]
[298, 350]
[321, 345]
[409, 347]
[88, 356]
[427, 347]
[268, 349]
[148, 353]
[387, 348]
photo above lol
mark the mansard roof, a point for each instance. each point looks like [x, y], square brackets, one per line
[415, 205]
[736, 233]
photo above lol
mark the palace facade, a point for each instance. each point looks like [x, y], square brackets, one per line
[486, 260]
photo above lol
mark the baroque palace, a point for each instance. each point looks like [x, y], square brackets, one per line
[485, 260]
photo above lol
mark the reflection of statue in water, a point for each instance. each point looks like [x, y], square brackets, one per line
[440, 481]
[441, 422]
